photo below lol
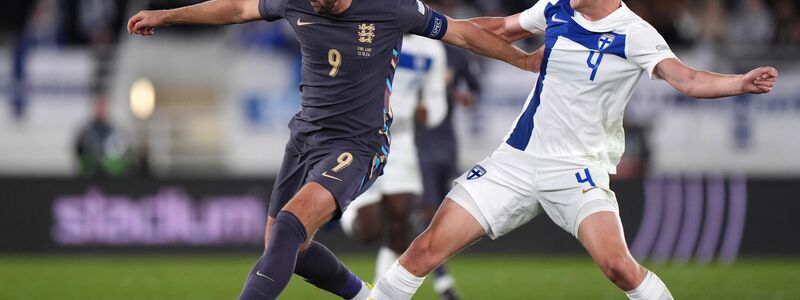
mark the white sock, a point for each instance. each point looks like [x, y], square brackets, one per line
[363, 293]
[444, 283]
[651, 288]
[386, 257]
[398, 284]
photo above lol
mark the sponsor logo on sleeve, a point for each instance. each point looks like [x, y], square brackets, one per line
[437, 26]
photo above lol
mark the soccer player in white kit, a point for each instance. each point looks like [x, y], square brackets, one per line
[419, 82]
[568, 138]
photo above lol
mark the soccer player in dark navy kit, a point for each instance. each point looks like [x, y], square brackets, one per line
[340, 139]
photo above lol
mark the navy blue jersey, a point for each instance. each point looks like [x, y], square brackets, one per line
[348, 65]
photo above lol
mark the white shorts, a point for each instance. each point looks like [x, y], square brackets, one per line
[511, 187]
[401, 175]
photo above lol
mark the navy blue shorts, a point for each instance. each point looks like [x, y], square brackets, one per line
[346, 169]
[437, 179]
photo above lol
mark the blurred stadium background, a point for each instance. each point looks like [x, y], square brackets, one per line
[139, 168]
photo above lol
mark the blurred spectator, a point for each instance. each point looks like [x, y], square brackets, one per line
[101, 150]
[703, 22]
[787, 23]
[754, 24]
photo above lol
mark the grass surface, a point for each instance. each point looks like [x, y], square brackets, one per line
[479, 277]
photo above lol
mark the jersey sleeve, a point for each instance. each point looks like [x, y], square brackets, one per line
[533, 19]
[646, 48]
[417, 18]
[272, 10]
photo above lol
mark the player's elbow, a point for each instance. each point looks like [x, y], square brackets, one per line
[689, 85]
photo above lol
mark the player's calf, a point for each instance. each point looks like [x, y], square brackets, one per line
[452, 229]
[309, 208]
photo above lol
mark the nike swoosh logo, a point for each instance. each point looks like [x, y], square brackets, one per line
[325, 174]
[554, 19]
[586, 190]
[258, 273]
[301, 23]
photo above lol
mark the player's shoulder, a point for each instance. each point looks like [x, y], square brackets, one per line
[632, 24]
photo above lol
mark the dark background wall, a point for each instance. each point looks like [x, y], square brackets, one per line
[688, 218]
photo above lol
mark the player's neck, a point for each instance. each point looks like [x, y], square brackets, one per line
[341, 6]
[599, 9]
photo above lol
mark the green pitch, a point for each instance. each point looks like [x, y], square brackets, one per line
[198, 277]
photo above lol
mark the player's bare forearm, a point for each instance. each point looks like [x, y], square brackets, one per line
[709, 85]
[214, 12]
[507, 28]
[470, 36]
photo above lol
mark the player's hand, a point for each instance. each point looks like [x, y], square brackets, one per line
[145, 22]
[759, 80]
[533, 62]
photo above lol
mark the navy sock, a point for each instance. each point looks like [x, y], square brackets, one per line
[320, 267]
[272, 271]
[440, 271]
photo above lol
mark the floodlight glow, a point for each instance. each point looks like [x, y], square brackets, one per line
[143, 98]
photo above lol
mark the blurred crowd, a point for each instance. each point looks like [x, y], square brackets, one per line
[735, 29]
[682, 22]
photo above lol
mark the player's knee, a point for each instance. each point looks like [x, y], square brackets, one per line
[423, 254]
[622, 270]
[313, 205]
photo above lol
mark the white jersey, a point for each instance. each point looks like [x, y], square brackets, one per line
[419, 78]
[589, 71]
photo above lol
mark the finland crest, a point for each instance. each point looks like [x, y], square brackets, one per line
[605, 41]
[476, 172]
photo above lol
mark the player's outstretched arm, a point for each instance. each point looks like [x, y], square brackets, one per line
[214, 12]
[508, 28]
[704, 84]
[468, 35]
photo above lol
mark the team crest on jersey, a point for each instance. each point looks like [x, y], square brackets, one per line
[605, 41]
[476, 172]
[366, 32]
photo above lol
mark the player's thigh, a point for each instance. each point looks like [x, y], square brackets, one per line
[498, 195]
[453, 228]
[602, 235]
[345, 171]
[291, 177]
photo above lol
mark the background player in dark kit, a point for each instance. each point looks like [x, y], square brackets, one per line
[438, 156]
[340, 138]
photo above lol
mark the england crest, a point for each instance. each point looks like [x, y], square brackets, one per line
[476, 172]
